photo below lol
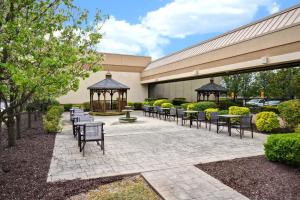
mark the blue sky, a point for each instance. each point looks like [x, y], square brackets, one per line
[159, 27]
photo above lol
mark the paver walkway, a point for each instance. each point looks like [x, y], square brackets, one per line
[146, 146]
[188, 182]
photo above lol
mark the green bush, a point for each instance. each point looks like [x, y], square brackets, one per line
[130, 104]
[236, 110]
[297, 129]
[185, 105]
[201, 106]
[51, 120]
[270, 109]
[223, 112]
[167, 105]
[160, 101]
[290, 112]
[178, 101]
[283, 148]
[138, 105]
[86, 106]
[208, 112]
[267, 121]
[226, 103]
[150, 99]
[67, 107]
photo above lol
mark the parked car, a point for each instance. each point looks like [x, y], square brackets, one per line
[272, 103]
[256, 102]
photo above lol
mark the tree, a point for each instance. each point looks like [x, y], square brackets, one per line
[46, 47]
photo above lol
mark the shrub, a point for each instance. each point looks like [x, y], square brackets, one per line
[297, 130]
[59, 109]
[167, 105]
[225, 104]
[290, 112]
[67, 107]
[201, 106]
[236, 110]
[51, 120]
[160, 101]
[270, 109]
[283, 148]
[130, 104]
[138, 105]
[178, 101]
[209, 111]
[185, 105]
[267, 121]
[223, 112]
[86, 106]
[150, 99]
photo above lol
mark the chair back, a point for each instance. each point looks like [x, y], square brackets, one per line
[85, 118]
[173, 111]
[93, 131]
[246, 121]
[214, 116]
[201, 115]
[146, 108]
[158, 108]
[180, 112]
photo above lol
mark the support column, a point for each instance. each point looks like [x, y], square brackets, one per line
[119, 109]
[91, 101]
[111, 99]
[104, 106]
[99, 102]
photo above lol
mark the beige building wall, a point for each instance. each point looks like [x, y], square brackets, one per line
[179, 89]
[136, 93]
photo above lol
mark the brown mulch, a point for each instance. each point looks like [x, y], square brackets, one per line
[24, 168]
[257, 178]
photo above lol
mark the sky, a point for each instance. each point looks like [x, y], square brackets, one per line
[157, 28]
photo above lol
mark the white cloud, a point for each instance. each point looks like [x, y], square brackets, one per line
[178, 19]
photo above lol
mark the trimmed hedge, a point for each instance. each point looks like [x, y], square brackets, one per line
[68, 106]
[178, 101]
[283, 148]
[160, 102]
[223, 112]
[185, 105]
[86, 106]
[267, 121]
[236, 110]
[290, 112]
[167, 105]
[201, 106]
[209, 111]
[270, 109]
[225, 104]
[297, 130]
[52, 118]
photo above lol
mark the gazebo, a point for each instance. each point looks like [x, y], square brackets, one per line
[109, 87]
[211, 88]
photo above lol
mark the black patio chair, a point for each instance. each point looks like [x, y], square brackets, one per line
[146, 110]
[214, 119]
[181, 115]
[200, 118]
[92, 132]
[172, 113]
[158, 111]
[83, 118]
[245, 123]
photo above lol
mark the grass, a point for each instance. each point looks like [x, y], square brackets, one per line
[133, 188]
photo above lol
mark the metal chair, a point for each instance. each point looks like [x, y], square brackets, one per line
[172, 113]
[214, 119]
[181, 115]
[159, 112]
[146, 110]
[245, 123]
[200, 118]
[83, 118]
[92, 132]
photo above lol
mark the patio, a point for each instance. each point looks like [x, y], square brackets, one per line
[150, 144]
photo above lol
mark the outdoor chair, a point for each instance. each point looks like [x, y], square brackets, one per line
[146, 110]
[159, 112]
[92, 132]
[245, 123]
[172, 113]
[214, 119]
[181, 115]
[200, 118]
[83, 118]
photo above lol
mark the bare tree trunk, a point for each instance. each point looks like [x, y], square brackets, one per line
[29, 119]
[11, 129]
[18, 122]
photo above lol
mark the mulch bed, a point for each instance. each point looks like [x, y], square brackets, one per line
[24, 168]
[257, 178]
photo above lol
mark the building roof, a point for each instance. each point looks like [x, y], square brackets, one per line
[211, 87]
[108, 84]
[273, 23]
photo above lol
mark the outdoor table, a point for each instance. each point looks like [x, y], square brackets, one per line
[77, 126]
[165, 110]
[190, 112]
[228, 117]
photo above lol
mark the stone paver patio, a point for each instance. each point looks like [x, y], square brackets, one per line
[146, 146]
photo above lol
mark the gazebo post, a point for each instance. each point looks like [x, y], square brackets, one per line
[119, 101]
[111, 99]
[104, 106]
[126, 97]
[99, 102]
[91, 100]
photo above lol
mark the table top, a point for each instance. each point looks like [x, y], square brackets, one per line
[83, 123]
[127, 110]
[230, 116]
[190, 111]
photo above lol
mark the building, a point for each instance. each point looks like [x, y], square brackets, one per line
[272, 42]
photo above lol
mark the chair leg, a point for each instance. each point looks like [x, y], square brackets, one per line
[217, 127]
[102, 143]
[209, 126]
[241, 132]
[198, 124]
[252, 131]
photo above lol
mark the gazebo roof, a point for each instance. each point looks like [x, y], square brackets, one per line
[212, 87]
[108, 84]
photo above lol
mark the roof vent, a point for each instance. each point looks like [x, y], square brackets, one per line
[108, 75]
